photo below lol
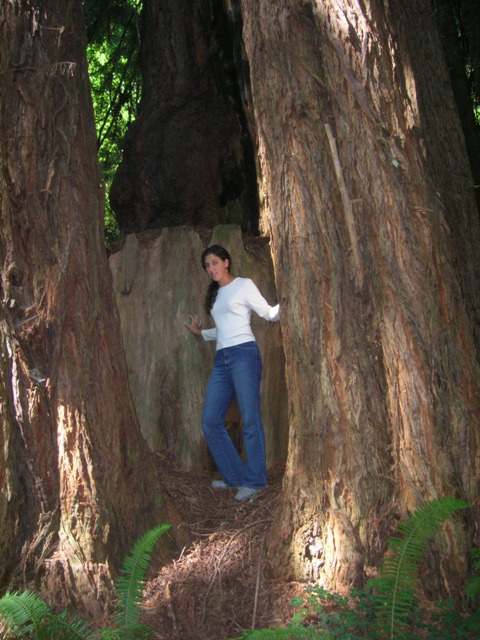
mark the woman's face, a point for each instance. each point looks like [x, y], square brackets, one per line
[217, 269]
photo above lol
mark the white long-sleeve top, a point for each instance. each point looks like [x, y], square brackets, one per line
[232, 311]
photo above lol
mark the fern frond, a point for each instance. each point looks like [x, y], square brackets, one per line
[285, 634]
[473, 585]
[24, 612]
[133, 632]
[395, 588]
[28, 615]
[130, 583]
[63, 627]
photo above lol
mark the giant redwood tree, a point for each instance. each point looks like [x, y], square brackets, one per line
[77, 482]
[375, 240]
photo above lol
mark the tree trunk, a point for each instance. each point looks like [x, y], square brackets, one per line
[188, 159]
[459, 25]
[379, 308]
[78, 482]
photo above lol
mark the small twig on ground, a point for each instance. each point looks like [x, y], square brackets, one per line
[219, 561]
[168, 595]
[257, 585]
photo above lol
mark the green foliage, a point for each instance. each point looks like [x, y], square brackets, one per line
[134, 632]
[24, 612]
[395, 588]
[389, 601]
[63, 627]
[473, 586]
[292, 633]
[324, 615]
[28, 616]
[132, 578]
[445, 622]
[116, 84]
[476, 113]
[345, 618]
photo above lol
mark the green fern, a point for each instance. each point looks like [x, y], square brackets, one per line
[64, 627]
[285, 634]
[473, 586]
[132, 578]
[23, 612]
[28, 616]
[133, 632]
[394, 590]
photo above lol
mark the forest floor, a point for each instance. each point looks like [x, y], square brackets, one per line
[218, 586]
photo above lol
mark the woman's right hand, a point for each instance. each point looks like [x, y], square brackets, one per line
[195, 325]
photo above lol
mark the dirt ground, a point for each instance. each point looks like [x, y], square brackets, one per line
[219, 585]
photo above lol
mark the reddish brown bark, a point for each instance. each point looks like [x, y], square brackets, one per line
[78, 482]
[188, 159]
[378, 305]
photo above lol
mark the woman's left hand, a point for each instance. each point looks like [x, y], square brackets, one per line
[195, 325]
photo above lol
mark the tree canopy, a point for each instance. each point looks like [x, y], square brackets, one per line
[113, 60]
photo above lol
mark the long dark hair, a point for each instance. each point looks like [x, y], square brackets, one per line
[212, 290]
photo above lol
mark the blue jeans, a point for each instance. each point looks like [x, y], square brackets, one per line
[237, 372]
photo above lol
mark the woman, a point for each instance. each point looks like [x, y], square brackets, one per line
[237, 372]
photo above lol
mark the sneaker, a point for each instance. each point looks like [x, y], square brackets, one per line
[220, 484]
[245, 493]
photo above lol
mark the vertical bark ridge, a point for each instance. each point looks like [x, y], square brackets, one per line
[87, 488]
[377, 375]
